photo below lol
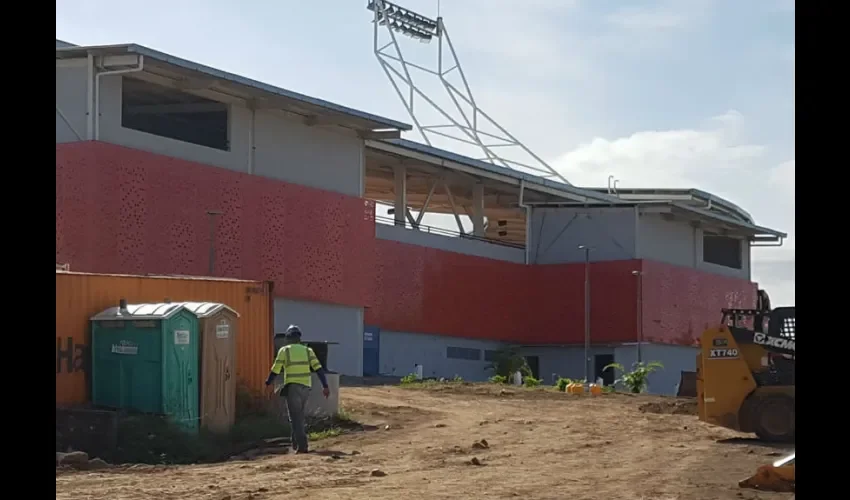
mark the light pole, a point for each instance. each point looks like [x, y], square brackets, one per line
[212, 215]
[639, 299]
[586, 312]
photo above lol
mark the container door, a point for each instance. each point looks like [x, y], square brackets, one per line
[181, 370]
[218, 384]
[371, 351]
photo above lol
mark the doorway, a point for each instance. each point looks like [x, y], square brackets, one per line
[600, 361]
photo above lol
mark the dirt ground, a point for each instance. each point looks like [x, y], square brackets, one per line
[538, 445]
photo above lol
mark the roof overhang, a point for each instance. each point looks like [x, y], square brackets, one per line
[694, 197]
[699, 217]
[477, 168]
[191, 76]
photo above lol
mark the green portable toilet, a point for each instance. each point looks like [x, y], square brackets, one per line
[145, 358]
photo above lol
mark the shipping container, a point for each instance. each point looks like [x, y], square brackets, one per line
[79, 296]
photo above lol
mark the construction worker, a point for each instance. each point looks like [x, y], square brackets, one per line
[297, 362]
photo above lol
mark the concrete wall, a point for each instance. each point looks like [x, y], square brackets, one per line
[399, 352]
[452, 244]
[71, 89]
[556, 234]
[566, 362]
[674, 358]
[325, 158]
[678, 242]
[325, 322]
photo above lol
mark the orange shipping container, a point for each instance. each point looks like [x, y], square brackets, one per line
[79, 296]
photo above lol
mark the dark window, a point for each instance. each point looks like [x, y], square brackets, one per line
[722, 251]
[166, 112]
[490, 355]
[463, 353]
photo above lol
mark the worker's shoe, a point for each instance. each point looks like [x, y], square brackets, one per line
[301, 452]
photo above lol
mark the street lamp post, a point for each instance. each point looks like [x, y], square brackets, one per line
[212, 215]
[639, 299]
[586, 312]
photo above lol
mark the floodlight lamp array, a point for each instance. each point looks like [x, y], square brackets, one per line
[404, 21]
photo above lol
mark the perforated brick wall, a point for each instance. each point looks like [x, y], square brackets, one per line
[122, 210]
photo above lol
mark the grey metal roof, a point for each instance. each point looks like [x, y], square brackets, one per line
[672, 194]
[376, 122]
[701, 213]
[442, 154]
[139, 312]
[207, 309]
[63, 44]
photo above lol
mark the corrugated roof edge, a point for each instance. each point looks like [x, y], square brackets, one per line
[60, 44]
[471, 162]
[160, 276]
[223, 75]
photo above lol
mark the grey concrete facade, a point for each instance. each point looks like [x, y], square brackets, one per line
[566, 362]
[622, 233]
[556, 234]
[283, 148]
[71, 89]
[477, 248]
[680, 243]
[400, 351]
[675, 359]
[327, 323]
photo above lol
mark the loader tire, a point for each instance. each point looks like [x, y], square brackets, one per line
[773, 418]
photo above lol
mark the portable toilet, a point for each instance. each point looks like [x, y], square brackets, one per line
[218, 325]
[145, 358]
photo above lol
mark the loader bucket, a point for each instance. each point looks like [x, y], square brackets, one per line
[687, 385]
[778, 476]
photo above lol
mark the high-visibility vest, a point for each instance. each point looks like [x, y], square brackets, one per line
[296, 360]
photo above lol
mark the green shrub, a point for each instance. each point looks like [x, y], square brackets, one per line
[562, 383]
[499, 379]
[457, 379]
[530, 381]
[637, 379]
[409, 379]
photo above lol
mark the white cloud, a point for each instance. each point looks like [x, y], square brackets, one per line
[716, 158]
[668, 158]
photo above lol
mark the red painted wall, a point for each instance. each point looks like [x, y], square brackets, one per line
[679, 302]
[122, 210]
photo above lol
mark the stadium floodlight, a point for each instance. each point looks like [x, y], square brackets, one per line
[468, 121]
[403, 21]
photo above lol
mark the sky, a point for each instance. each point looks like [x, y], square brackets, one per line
[658, 93]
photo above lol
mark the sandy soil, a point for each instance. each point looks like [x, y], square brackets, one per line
[539, 445]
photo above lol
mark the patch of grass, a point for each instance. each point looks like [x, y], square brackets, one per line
[325, 434]
[410, 381]
[154, 439]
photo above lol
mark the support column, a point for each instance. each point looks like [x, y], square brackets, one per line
[400, 174]
[478, 210]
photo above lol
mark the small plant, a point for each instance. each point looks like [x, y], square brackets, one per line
[530, 381]
[562, 383]
[499, 379]
[457, 379]
[408, 379]
[637, 379]
[508, 361]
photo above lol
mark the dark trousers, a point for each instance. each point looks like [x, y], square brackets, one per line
[296, 404]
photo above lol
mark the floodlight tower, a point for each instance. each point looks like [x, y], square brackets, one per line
[467, 123]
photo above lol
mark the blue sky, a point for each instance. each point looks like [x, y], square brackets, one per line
[663, 93]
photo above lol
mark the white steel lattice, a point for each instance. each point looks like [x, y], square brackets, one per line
[468, 123]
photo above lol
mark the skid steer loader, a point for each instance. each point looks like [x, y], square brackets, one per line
[746, 382]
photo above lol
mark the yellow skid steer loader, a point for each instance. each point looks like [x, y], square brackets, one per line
[746, 382]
